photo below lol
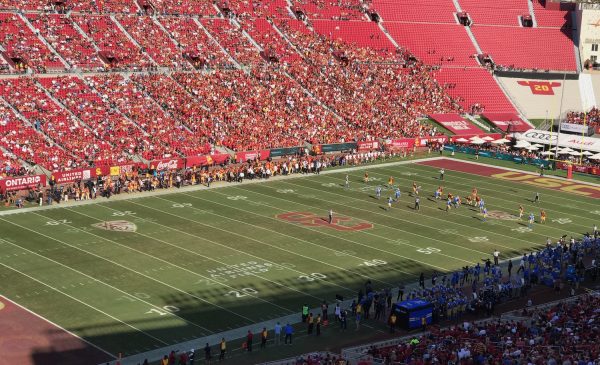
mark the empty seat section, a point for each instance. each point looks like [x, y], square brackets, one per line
[319, 9]
[440, 44]
[475, 88]
[527, 48]
[427, 11]
[492, 12]
[362, 34]
[550, 18]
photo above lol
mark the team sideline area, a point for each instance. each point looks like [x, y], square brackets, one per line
[141, 277]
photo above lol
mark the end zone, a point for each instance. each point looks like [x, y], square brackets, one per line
[546, 182]
[29, 339]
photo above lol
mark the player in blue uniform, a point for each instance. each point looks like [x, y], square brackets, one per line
[378, 192]
[531, 220]
[390, 200]
[398, 194]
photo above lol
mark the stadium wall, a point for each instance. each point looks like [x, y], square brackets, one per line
[588, 25]
[541, 98]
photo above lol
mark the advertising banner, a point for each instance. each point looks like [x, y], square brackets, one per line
[206, 160]
[400, 144]
[408, 143]
[22, 182]
[64, 177]
[367, 146]
[278, 152]
[252, 155]
[167, 164]
[566, 140]
[577, 128]
[455, 124]
[334, 147]
[507, 121]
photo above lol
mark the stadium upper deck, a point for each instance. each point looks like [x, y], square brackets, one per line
[318, 72]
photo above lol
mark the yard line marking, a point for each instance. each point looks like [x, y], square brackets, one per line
[125, 267]
[379, 224]
[411, 222]
[280, 233]
[307, 228]
[260, 242]
[85, 304]
[181, 268]
[57, 326]
[101, 282]
[500, 206]
[364, 232]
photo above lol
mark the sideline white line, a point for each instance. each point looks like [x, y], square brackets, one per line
[57, 326]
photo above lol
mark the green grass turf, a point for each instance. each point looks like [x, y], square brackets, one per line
[440, 128]
[170, 281]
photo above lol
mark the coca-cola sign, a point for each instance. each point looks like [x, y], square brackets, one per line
[22, 182]
[167, 164]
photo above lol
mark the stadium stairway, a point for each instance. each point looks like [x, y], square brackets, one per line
[113, 18]
[210, 36]
[532, 13]
[43, 40]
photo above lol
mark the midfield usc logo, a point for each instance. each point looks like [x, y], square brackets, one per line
[540, 87]
[119, 226]
[313, 220]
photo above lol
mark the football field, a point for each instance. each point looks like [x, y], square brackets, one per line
[132, 275]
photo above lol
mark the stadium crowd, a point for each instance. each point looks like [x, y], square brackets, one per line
[591, 117]
[564, 333]
[319, 91]
[149, 179]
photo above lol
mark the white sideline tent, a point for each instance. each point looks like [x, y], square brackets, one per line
[574, 142]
